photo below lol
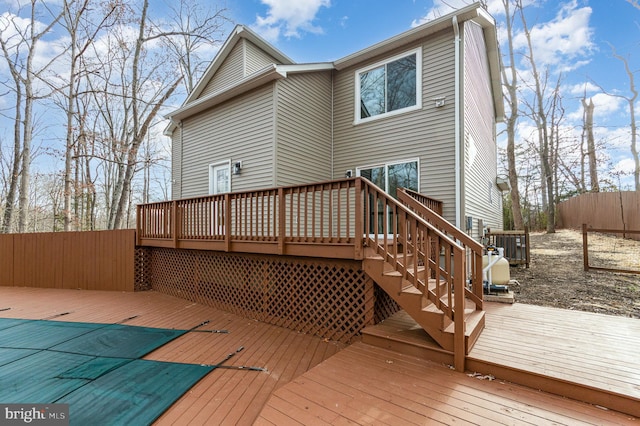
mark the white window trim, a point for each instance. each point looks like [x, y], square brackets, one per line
[217, 164]
[386, 165]
[418, 105]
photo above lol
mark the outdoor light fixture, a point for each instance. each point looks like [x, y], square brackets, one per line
[237, 166]
[439, 101]
[348, 174]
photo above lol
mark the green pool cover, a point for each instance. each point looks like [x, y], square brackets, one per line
[95, 368]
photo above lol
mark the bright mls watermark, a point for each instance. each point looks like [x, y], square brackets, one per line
[34, 414]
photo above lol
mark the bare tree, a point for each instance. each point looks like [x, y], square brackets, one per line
[82, 31]
[19, 45]
[540, 116]
[510, 82]
[631, 100]
[591, 144]
[146, 82]
[191, 27]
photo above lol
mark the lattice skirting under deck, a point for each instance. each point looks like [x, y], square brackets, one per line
[330, 298]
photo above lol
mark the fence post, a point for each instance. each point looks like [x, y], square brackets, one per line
[226, 222]
[282, 212]
[585, 247]
[459, 345]
[359, 228]
[527, 245]
[176, 219]
[138, 226]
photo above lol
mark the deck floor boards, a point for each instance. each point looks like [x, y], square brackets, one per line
[591, 349]
[310, 381]
[369, 385]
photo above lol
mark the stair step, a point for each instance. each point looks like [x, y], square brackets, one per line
[411, 289]
[418, 270]
[472, 319]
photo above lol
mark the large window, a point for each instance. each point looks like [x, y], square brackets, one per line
[389, 87]
[392, 176]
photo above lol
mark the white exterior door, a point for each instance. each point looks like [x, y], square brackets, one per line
[219, 178]
[219, 183]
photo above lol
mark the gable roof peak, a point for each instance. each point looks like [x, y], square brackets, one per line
[238, 33]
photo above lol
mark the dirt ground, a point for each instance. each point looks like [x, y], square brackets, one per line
[556, 275]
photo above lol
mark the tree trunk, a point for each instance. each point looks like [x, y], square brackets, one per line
[25, 172]
[512, 120]
[591, 144]
[15, 166]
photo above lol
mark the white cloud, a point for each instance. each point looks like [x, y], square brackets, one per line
[289, 18]
[626, 166]
[440, 8]
[443, 7]
[605, 107]
[581, 88]
[562, 42]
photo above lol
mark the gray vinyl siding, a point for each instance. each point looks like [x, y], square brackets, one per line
[244, 59]
[303, 129]
[176, 164]
[427, 134]
[255, 58]
[240, 130]
[483, 200]
[231, 71]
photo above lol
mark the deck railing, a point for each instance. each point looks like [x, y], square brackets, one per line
[308, 220]
[427, 209]
[335, 219]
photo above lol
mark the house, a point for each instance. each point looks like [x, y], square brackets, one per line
[418, 111]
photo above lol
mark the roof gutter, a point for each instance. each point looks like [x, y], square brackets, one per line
[266, 75]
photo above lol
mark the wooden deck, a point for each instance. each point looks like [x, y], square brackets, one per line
[312, 381]
[580, 355]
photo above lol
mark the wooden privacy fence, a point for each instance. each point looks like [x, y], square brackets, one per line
[610, 210]
[96, 260]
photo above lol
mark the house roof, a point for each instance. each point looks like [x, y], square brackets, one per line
[239, 32]
[193, 104]
[472, 12]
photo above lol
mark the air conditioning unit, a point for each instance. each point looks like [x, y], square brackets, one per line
[503, 184]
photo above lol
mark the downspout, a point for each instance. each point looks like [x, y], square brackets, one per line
[458, 192]
[181, 162]
[332, 147]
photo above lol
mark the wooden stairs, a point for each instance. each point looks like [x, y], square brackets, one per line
[425, 310]
[432, 269]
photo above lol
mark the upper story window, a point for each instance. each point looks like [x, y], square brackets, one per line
[389, 87]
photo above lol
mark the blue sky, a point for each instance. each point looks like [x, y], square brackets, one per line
[571, 37]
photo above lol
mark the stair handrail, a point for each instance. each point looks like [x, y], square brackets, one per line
[414, 232]
[411, 199]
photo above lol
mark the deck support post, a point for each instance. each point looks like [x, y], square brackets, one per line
[282, 211]
[227, 222]
[459, 346]
[359, 219]
[138, 224]
[176, 221]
